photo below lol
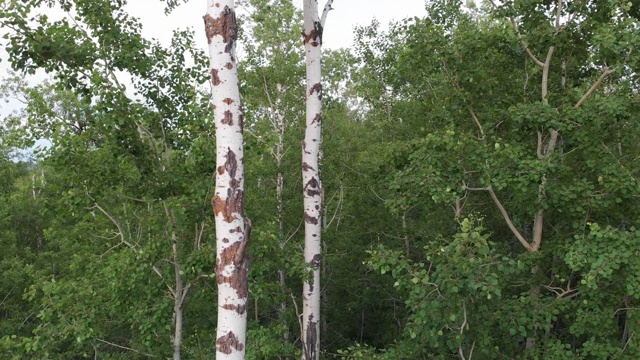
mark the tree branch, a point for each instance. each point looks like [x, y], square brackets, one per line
[124, 348]
[325, 11]
[545, 75]
[505, 215]
[524, 43]
[593, 87]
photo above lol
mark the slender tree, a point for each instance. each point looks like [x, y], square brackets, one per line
[312, 187]
[232, 228]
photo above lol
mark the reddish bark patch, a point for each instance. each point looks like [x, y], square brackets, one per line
[225, 25]
[310, 339]
[227, 101]
[312, 188]
[229, 65]
[238, 278]
[240, 309]
[215, 78]
[228, 118]
[310, 219]
[233, 204]
[315, 35]
[227, 343]
[316, 88]
[220, 170]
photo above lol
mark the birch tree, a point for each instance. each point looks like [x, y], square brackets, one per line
[232, 228]
[312, 188]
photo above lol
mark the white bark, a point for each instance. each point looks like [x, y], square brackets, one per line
[311, 179]
[232, 229]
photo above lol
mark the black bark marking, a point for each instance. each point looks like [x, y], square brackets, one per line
[310, 340]
[317, 88]
[240, 309]
[231, 165]
[311, 284]
[225, 240]
[227, 343]
[306, 167]
[317, 119]
[215, 78]
[304, 148]
[225, 25]
[315, 262]
[312, 188]
[310, 219]
[228, 118]
[315, 36]
[241, 123]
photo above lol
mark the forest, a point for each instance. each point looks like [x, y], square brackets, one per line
[478, 170]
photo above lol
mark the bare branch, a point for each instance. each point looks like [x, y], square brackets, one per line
[464, 323]
[125, 348]
[522, 41]
[558, 14]
[325, 11]
[545, 75]
[298, 314]
[593, 87]
[120, 231]
[539, 147]
[505, 215]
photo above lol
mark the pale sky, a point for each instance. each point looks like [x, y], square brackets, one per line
[338, 31]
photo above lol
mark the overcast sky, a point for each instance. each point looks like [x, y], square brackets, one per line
[338, 29]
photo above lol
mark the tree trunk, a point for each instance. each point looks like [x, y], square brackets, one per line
[232, 228]
[312, 35]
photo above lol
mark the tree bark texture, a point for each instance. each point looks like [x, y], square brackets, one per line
[232, 228]
[312, 35]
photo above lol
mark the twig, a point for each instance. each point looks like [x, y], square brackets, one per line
[298, 315]
[125, 348]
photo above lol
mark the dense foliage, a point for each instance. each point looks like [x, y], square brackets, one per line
[480, 173]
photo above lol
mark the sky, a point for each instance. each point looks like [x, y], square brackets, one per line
[338, 30]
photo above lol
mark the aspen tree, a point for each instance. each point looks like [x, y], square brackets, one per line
[232, 227]
[312, 187]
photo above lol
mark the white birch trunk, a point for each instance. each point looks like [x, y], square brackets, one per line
[232, 229]
[311, 178]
